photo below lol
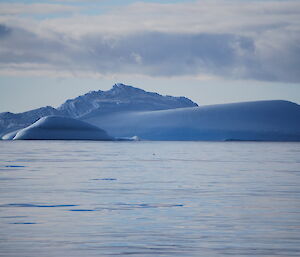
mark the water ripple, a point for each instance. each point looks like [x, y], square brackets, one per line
[37, 205]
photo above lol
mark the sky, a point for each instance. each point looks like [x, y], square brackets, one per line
[212, 51]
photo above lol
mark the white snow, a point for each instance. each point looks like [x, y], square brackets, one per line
[60, 128]
[261, 120]
[119, 98]
[126, 112]
[10, 136]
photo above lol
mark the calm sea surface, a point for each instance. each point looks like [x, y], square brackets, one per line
[72, 198]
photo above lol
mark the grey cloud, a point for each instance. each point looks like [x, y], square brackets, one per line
[4, 31]
[172, 54]
[150, 53]
[22, 46]
[7, 8]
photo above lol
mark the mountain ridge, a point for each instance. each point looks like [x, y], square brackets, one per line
[119, 98]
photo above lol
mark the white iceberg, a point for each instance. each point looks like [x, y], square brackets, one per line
[261, 120]
[60, 128]
[126, 112]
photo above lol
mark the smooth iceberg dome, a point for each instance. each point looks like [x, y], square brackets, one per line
[260, 120]
[61, 128]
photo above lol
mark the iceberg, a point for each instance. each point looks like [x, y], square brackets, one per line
[131, 114]
[10, 136]
[60, 128]
[274, 120]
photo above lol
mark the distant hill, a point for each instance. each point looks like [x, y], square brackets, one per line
[120, 98]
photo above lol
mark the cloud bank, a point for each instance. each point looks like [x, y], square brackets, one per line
[230, 39]
[35, 8]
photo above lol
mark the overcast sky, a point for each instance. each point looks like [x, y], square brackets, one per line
[213, 51]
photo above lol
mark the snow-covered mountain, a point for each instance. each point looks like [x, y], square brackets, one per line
[261, 120]
[120, 98]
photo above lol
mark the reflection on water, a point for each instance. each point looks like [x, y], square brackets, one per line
[149, 199]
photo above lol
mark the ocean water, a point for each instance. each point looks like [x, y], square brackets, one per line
[78, 198]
